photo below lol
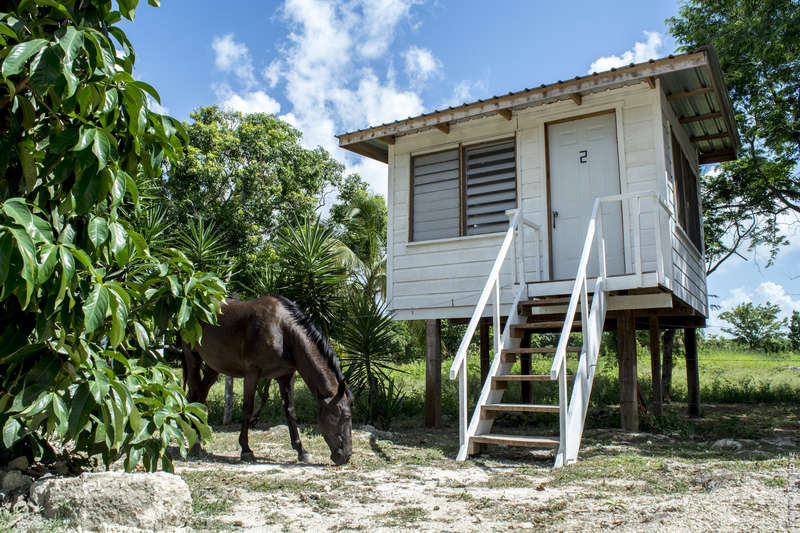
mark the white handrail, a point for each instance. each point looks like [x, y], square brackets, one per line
[459, 367]
[494, 275]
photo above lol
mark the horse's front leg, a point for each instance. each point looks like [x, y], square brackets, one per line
[286, 385]
[250, 382]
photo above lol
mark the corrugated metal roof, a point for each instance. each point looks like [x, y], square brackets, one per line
[692, 81]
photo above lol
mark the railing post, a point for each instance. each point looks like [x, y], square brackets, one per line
[637, 237]
[601, 245]
[658, 230]
[496, 316]
[562, 410]
[462, 405]
[523, 277]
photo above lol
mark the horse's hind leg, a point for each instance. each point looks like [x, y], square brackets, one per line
[286, 384]
[264, 395]
[250, 383]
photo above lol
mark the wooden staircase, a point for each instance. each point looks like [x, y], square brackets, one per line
[552, 319]
[551, 313]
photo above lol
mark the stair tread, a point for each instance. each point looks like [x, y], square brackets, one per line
[517, 440]
[545, 324]
[521, 407]
[526, 377]
[575, 349]
[556, 300]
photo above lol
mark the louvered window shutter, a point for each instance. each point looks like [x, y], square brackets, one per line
[491, 186]
[436, 208]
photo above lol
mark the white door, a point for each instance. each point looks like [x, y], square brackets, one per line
[583, 166]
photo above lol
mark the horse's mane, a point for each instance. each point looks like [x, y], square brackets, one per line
[305, 322]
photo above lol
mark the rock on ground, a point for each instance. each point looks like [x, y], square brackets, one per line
[147, 501]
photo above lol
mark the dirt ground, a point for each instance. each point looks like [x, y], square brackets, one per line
[676, 480]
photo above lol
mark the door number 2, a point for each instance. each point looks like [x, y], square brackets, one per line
[584, 155]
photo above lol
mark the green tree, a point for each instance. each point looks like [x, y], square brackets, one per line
[248, 175]
[794, 331]
[757, 326]
[759, 50]
[84, 291]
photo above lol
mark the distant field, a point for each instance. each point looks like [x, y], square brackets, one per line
[725, 377]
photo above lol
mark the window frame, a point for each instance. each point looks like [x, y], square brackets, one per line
[462, 185]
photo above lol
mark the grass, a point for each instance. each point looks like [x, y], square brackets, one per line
[726, 377]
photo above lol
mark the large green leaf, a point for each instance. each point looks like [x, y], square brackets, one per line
[16, 58]
[11, 431]
[98, 231]
[46, 69]
[101, 148]
[70, 40]
[95, 308]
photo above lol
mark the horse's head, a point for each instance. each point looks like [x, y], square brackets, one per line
[336, 424]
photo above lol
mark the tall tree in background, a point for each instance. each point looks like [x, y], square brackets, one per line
[759, 49]
[757, 326]
[248, 175]
[361, 217]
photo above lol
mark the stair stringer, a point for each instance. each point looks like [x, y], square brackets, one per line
[584, 377]
[478, 426]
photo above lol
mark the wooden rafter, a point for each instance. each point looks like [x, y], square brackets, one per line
[577, 98]
[651, 81]
[710, 137]
[717, 157]
[505, 113]
[687, 94]
[444, 127]
[389, 139]
[696, 118]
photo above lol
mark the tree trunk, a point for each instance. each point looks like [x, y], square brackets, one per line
[433, 373]
[692, 372]
[227, 415]
[628, 386]
[655, 368]
[666, 368]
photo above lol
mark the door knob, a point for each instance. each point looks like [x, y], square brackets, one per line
[555, 214]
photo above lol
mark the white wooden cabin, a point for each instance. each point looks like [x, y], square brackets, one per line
[597, 176]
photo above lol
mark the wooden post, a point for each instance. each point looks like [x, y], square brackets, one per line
[626, 347]
[655, 367]
[692, 372]
[433, 373]
[485, 362]
[666, 368]
[525, 368]
[227, 413]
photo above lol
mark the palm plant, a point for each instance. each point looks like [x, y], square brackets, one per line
[203, 246]
[366, 340]
[311, 270]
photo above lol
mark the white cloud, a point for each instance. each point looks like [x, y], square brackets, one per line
[252, 102]
[642, 51]
[378, 22]
[464, 92]
[767, 291]
[155, 107]
[231, 56]
[273, 73]
[421, 64]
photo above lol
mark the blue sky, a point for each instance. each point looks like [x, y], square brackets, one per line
[333, 66]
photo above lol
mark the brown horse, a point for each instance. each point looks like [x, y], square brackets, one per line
[270, 337]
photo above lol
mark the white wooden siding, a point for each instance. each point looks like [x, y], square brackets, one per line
[443, 278]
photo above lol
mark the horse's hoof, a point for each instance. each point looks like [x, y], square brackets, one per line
[305, 457]
[248, 457]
